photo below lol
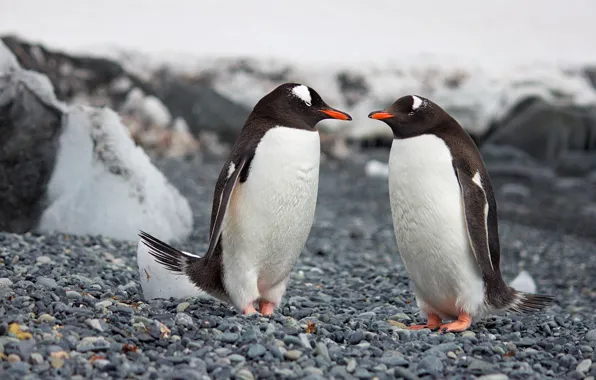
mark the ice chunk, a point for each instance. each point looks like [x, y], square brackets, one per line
[524, 283]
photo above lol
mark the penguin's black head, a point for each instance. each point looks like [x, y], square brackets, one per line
[297, 105]
[410, 116]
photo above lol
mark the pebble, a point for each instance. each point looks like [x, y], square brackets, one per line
[229, 337]
[591, 336]
[431, 363]
[96, 324]
[36, 358]
[293, 354]
[494, 376]
[244, 374]
[183, 319]
[5, 282]
[46, 318]
[71, 294]
[584, 366]
[44, 260]
[256, 350]
[181, 308]
[49, 283]
[13, 358]
[351, 366]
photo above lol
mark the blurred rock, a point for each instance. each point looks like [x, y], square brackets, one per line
[76, 169]
[547, 131]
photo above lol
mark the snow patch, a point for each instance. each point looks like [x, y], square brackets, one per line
[374, 168]
[158, 282]
[524, 283]
[104, 184]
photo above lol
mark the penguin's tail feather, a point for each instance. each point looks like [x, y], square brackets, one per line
[528, 303]
[171, 258]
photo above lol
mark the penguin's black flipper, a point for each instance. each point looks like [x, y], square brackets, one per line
[224, 201]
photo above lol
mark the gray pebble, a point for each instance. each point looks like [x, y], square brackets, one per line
[71, 294]
[584, 366]
[591, 336]
[293, 354]
[229, 337]
[430, 363]
[49, 283]
[183, 319]
[244, 374]
[181, 308]
[256, 350]
[5, 282]
[44, 260]
[351, 366]
[36, 358]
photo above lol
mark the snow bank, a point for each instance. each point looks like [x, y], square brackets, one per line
[101, 183]
[475, 96]
[104, 184]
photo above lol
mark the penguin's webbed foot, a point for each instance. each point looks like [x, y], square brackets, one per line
[434, 322]
[266, 307]
[464, 321]
[249, 309]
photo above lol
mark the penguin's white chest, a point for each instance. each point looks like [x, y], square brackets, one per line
[271, 214]
[430, 229]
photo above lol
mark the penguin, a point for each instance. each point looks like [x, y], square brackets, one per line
[263, 204]
[444, 216]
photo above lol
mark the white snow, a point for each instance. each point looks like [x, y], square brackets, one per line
[374, 168]
[104, 184]
[158, 282]
[524, 283]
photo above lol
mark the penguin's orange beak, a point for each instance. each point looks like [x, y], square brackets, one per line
[380, 115]
[336, 114]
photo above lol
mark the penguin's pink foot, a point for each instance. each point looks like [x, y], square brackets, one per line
[266, 307]
[464, 321]
[433, 322]
[249, 309]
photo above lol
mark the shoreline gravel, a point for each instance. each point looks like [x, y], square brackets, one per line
[70, 306]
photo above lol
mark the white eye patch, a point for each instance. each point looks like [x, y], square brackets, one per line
[303, 93]
[417, 102]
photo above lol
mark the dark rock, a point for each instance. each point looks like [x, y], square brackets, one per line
[201, 106]
[548, 131]
[30, 127]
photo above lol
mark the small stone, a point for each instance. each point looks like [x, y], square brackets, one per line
[584, 366]
[351, 366]
[356, 337]
[468, 334]
[49, 283]
[72, 295]
[43, 260]
[183, 319]
[244, 374]
[256, 350]
[96, 324]
[57, 362]
[321, 349]
[36, 358]
[293, 355]
[451, 355]
[367, 315]
[431, 363]
[46, 318]
[229, 337]
[13, 358]
[181, 308]
[494, 376]
[103, 304]
[591, 336]
[235, 358]
[5, 282]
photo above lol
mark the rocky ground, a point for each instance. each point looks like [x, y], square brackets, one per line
[70, 306]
